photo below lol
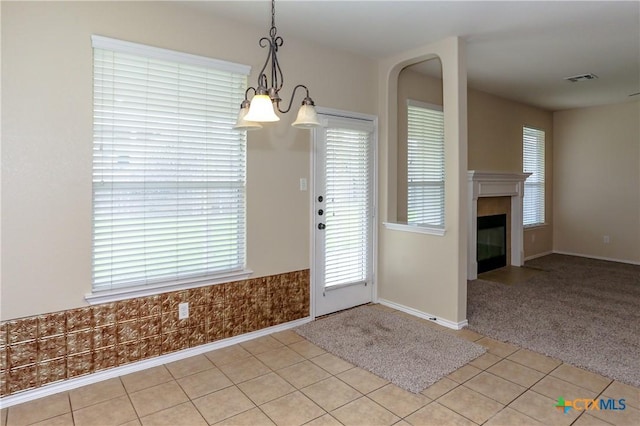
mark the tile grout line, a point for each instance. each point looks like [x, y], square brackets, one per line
[130, 401]
[252, 401]
[584, 412]
[331, 375]
[271, 370]
[340, 406]
[451, 390]
[499, 377]
[235, 385]
[73, 418]
[300, 389]
[523, 392]
[414, 411]
[546, 373]
[185, 392]
[296, 389]
[488, 372]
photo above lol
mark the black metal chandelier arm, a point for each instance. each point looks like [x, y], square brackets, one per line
[246, 92]
[293, 95]
[277, 77]
[245, 103]
[265, 42]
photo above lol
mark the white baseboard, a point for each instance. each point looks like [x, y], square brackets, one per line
[535, 256]
[77, 382]
[416, 313]
[588, 256]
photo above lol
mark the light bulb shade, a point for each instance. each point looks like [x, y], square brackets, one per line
[307, 117]
[243, 123]
[261, 110]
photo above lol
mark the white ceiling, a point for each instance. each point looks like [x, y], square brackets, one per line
[519, 50]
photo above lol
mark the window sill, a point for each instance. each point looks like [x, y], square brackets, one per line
[107, 296]
[405, 227]
[534, 226]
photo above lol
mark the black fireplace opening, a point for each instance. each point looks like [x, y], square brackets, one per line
[492, 242]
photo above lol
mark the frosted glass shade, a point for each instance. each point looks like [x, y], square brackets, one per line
[261, 110]
[243, 124]
[307, 117]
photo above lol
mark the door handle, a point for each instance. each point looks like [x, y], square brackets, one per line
[321, 226]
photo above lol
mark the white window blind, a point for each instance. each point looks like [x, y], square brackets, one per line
[425, 164]
[533, 162]
[348, 204]
[168, 169]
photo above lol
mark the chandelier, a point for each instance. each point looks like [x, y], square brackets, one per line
[261, 108]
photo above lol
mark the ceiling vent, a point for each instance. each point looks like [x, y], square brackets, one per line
[581, 77]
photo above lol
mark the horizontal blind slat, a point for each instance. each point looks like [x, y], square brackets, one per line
[533, 151]
[169, 171]
[348, 198]
[425, 165]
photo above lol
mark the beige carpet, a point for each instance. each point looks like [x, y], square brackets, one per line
[404, 351]
[584, 312]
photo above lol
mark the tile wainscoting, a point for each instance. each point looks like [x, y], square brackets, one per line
[48, 348]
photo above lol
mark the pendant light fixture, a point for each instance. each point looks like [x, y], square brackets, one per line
[261, 108]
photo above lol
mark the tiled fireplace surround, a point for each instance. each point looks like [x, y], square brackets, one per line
[42, 349]
[495, 185]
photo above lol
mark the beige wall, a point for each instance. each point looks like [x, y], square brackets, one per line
[47, 137]
[495, 142]
[597, 186]
[423, 272]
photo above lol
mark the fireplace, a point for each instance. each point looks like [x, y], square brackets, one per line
[496, 184]
[491, 247]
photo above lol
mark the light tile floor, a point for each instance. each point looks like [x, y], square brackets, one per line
[510, 274]
[285, 380]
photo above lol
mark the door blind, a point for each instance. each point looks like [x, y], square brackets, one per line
[168, 169]
[533, 162]
[425, 164]
[348, 205]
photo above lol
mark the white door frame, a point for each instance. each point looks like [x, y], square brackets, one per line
[374, 206]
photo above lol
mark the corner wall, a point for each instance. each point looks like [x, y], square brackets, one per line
[426, 273]
[597, 186]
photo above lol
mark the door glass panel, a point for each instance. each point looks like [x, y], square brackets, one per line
[348, 203]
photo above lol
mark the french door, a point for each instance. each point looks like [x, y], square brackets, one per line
[343, 211]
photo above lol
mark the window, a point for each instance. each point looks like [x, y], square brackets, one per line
[425, 164]
[533, 162]
[168, 169]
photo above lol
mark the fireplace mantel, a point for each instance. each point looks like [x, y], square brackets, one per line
[495, 184]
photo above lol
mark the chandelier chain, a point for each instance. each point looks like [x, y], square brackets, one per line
[273, 13]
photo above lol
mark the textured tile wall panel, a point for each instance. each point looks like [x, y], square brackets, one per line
[51, 347]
